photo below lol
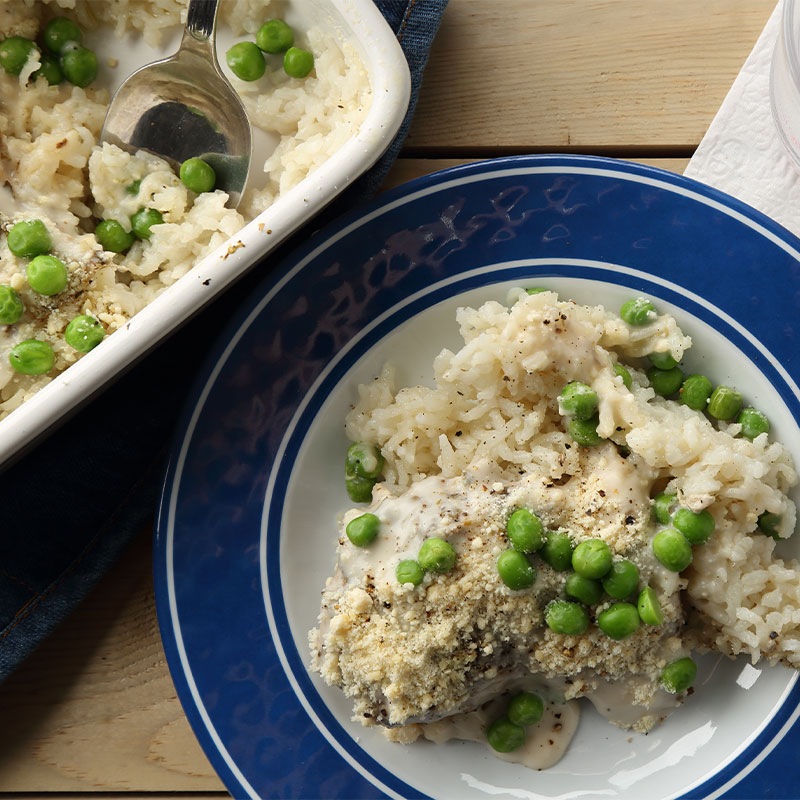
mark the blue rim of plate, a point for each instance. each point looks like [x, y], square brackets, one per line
[242, 682]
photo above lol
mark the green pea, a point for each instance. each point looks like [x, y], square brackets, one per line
[436, 555]
[665, 381]
[79, 66]
[524, 531]
[113, 237]
[143, 220]
[624, 374]
[584, 431]
[133, 188]
[505, 736]
[662, 507]
[662, 360]
[60, 32]
[753, 423]
[364, 460]
[29, 238]
[359, 490]
[592, 558]
[536, 290]
[724, 403]
[32, 357]
[696, 527]
[362, 530]
[622, 579]
[47, 275]
[525, 708]
[297, 63]
[768, 523]
[49, 70]
[246, 61]
[578, 400]
[672, 549]
[84, 333]
[274, 36]
[638, 312]
[679, 675]
[619, 621]
[565, 617]
[11, 307]
[587, 591]
[515, 570]
[557, 550]
[409, 571]
[14, 53]
[649, 608]
[695, 391]
[197, 176]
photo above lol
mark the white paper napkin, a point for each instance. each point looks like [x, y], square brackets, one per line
[742, 153]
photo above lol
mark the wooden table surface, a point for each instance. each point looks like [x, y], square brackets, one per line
[94, 709]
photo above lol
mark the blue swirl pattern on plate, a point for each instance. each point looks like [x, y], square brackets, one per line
[471, 226]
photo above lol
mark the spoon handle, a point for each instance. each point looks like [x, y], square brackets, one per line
[200, 19]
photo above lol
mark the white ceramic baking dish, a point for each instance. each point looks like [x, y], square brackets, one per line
[355, 21]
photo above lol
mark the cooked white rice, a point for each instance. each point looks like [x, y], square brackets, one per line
[495, 400]
[52, 168]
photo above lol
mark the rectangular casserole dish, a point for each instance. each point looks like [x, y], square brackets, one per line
[355, 22]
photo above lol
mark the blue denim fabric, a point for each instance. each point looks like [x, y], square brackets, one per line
[73, 502]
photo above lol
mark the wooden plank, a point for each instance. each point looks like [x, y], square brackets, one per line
[94, 709]
[406, 169]
[117, 796]
[581, 74]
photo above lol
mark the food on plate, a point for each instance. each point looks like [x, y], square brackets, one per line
[93, 232]
[553, 521]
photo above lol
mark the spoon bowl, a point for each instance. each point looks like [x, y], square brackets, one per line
[184, 107]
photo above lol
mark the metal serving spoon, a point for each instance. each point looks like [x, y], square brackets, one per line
[183, 106]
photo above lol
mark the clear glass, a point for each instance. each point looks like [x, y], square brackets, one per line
[785, 80]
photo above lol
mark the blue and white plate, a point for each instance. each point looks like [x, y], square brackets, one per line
[246, 532]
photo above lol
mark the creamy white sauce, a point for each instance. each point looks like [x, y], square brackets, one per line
[617, 702]
[433, 507]
[8, 206]
[545, 743]
[457, 509]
